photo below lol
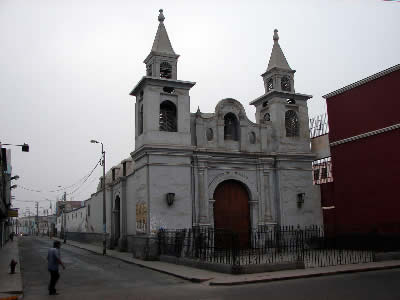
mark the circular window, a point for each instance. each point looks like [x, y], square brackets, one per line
[252, 137]
[209, 134]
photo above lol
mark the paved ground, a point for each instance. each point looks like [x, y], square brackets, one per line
[10, 284]
[90, 276]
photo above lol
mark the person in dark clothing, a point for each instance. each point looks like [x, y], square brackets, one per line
[53, 258]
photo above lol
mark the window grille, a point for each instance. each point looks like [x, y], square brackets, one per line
[322, 171]
[149, 71]
[168, 121]
[165, 70]
[285, 84]
[270, 85]
[291, 124]
[140, 119]
[231, 127]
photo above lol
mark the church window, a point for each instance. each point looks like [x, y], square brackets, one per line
[285, 84]
[140, 121]
[209, 134]
[168, 89]
[290, 101]
[149, 71]
[265, 103]
[267, 117]
[165, 70]
[231, 127]
[252, 137]
[291, 123]
[88, 210]
[270, 85]
[168, 120]
[124, 168]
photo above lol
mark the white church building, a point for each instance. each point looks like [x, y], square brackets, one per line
[216, 169]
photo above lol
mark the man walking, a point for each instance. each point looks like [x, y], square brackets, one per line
[53, 258]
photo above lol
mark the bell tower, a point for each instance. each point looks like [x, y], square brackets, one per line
[162, 108]
[162, 60]
[281, 107]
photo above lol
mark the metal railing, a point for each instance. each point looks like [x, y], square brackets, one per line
[315, 246]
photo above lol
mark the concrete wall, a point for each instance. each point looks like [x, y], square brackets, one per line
[86, 237]
[170, 173]
[296, 178]
[95, 218]
[77, 220]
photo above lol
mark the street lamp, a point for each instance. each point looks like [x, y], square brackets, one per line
[103, 163]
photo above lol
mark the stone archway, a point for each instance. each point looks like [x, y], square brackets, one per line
[232, 213]
[117, 219]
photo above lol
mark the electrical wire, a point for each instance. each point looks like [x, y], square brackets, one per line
[64, 188]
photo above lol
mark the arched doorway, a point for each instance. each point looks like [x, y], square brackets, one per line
[117, 217]
[231, 211]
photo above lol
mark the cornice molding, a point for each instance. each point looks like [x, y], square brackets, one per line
[364, 135]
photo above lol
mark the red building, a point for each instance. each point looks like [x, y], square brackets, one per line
[364, 142]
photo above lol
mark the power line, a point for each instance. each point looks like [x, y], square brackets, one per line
[86, 178]
[64, 188]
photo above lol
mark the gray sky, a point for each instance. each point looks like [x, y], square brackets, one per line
[67, 67]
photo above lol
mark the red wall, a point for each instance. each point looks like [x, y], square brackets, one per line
[366, 172]
[368, 107]
[367, 180]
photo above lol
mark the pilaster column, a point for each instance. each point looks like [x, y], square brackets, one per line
[268, 212]
[109, 215]
[203, 201]
[122, 243]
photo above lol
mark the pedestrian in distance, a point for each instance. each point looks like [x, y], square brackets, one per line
[53, 258]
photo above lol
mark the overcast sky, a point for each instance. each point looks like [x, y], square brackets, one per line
[67, 67]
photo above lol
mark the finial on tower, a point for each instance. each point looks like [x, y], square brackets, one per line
[161, 17]
[276, 36]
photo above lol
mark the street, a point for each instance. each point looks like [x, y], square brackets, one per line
[90, 276]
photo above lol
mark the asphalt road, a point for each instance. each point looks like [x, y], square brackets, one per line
[90, 276]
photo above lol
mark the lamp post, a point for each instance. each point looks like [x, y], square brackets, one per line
[103, 163]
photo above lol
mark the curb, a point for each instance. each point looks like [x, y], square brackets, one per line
[250, 281]
[304, 276]
[191, 279]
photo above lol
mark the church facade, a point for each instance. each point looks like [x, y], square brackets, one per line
[216, 169]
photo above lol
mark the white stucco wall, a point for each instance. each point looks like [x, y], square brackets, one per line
[77, 220]
[95, 218]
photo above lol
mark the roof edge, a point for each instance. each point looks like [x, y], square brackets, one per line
[362, 81]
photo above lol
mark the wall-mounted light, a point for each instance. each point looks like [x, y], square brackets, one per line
[170, 198]
[300, 199]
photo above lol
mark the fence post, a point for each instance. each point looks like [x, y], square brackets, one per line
[300, 245]
[236, 269]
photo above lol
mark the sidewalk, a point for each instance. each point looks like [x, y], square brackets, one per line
[214, 278]
[10, 284]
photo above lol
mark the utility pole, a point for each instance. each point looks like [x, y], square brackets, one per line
[103, 163]
[104, 200]
[37, 217]
[65, 218]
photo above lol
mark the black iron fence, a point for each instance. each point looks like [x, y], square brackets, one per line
[314, 246]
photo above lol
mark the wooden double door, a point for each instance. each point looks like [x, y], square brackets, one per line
[231, 214]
